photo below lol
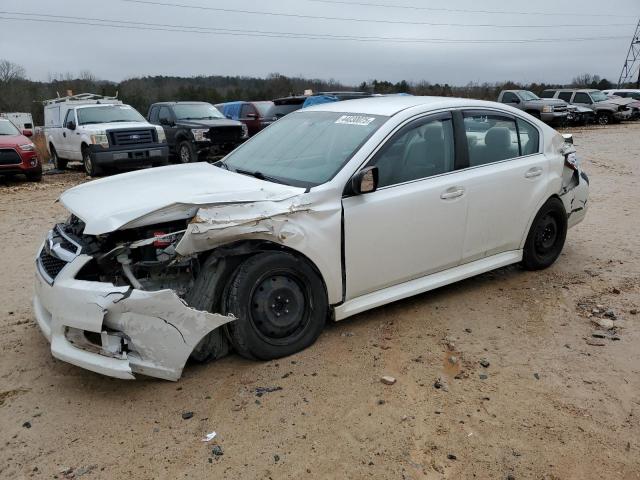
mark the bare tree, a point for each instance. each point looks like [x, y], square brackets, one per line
[10, 71]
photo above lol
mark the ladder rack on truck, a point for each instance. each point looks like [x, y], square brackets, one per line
[84, 98]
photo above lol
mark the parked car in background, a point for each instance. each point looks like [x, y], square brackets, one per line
[196, 130]
[284, 106]
[22, 120]
[606, 110]
[549, 110]
[630, 93]
[102, 133]
[331, 211]
[255, 115]
[17, 153]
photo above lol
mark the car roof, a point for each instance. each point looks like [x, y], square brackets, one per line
[391, 105]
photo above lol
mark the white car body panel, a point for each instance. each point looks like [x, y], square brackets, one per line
[369, 249]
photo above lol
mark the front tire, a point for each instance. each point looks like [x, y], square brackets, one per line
[546, 236]
[280, 304]
[89, 164]
[186, 152]
[604, 119]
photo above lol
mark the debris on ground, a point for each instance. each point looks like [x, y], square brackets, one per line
[209, 436]
[441, 384]
[187, 415]
[451, 456]
[217, 451]
[484, 363]
[26, 424]
[259, 391]
[388, 380]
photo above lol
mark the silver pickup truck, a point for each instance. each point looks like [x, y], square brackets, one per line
[607, 110]
[546, 109]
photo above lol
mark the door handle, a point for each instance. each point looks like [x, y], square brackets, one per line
[64, 134]
[453, 192]
[533, 172]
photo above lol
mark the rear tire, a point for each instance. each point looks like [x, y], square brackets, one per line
[280, 304]
[89, 165]
[58, 162]
[546, 236]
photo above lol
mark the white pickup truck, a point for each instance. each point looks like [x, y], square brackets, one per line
[102, 133]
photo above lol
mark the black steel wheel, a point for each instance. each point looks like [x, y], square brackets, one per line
[546, 236]
[281, 306]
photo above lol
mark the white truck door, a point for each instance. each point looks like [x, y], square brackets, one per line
[71, 136]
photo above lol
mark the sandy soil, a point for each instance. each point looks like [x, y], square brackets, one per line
[548, 406]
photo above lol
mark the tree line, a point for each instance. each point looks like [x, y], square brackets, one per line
[20, 94]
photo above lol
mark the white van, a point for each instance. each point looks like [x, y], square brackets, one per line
[22, 120]
[102, 133]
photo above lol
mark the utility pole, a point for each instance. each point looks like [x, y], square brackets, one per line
[632, 62]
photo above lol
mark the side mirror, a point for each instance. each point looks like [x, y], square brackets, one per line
[515, 100]
[71, 125]
[365, 181]
[568, 138]
[27, 133]
[165, 122]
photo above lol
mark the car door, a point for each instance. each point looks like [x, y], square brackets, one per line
[414, 223]
[583, 99]
[512, 99]
[168, 122]
[71, 139]
[507, 182]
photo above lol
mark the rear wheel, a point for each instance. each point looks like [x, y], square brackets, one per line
[186, 152]
[58, 162]
[280, 304]
[89, 164]
[546, 237]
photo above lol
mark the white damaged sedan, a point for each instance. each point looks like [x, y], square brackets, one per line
[330, 211]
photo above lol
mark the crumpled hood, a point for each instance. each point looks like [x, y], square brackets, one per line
[618, 101]
[164, 194]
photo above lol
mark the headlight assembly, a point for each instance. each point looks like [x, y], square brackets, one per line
[101, 139]
[199, 134]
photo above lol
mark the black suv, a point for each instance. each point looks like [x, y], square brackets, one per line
[196, 130]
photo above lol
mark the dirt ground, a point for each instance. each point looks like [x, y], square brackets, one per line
[551, 404]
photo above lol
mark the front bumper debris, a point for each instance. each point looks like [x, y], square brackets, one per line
[117, 331]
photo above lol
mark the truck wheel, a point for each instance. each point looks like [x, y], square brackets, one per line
[546, 236]
[280, 304]
[35, 176]
[603, 118]
[89, 165]
[58, 162]
[186, 152]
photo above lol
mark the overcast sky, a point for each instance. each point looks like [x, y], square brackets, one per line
[45, 48]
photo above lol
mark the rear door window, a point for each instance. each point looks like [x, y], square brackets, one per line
[246, 110]
[548, 94]
[491, 137]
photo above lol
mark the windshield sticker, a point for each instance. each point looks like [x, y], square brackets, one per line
[355, 120]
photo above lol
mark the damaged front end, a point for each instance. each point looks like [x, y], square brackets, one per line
[113, 303]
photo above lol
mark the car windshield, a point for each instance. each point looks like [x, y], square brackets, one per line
[526, 95]
[108, 114]
[598, 96]
[264, 108]
[196, 111]
[7, 128]
[305, 148]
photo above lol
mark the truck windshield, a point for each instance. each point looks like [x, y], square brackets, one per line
[7, 128]
[196, 111]
[305, 148]
[526, 95]
[108, 114]
[598, 96]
